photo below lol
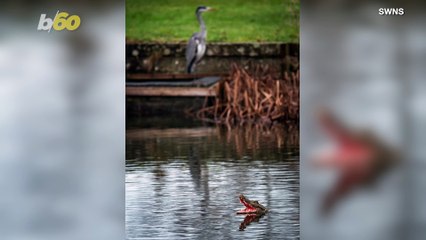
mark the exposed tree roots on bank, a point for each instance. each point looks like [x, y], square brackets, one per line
[257, 96]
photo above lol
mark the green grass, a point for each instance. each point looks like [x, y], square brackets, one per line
[234, 20]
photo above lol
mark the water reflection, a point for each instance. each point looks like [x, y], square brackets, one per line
[249, 219]
[183, 183]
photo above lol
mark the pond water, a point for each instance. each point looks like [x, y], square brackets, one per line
[183, 183]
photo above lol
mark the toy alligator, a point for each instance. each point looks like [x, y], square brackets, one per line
[252, 207]
[253, 210]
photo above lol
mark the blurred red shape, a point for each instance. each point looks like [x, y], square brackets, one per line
[360, 157]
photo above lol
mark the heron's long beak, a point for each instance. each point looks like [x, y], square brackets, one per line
[211, 9]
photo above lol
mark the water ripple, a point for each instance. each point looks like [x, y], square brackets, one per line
[187, 188]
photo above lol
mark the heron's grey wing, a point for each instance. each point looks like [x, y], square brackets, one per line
[191, 48]
[191, 51]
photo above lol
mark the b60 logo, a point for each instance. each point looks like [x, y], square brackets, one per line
[61, 21]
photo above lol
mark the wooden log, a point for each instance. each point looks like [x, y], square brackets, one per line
[168, 76]
[170, 133]
[171, 91]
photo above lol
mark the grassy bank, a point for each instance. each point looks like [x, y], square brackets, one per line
[234, 20]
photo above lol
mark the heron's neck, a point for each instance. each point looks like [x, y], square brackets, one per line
[202, 25]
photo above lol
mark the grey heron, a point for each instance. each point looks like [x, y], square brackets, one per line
[197, 43]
